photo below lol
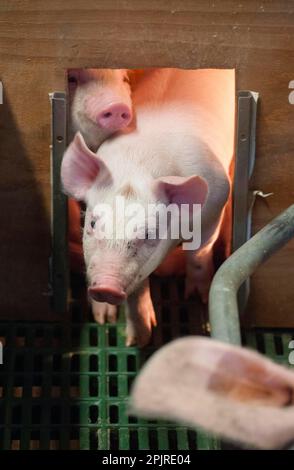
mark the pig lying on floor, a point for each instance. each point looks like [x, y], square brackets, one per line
[163, 160]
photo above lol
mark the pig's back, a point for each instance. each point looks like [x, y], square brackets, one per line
[185, 102]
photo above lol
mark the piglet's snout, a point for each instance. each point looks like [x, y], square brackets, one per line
[115, 116]
[107, 291]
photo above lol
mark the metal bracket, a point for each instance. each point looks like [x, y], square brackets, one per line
[244, 164]
[59, 264]
[1, 92]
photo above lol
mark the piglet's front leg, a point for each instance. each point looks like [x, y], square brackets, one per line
[104, 312]
[140, 316]
[199, 272]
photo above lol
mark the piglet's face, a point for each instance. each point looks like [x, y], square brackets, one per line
[117, 264]
[100, 102]
[124, 240]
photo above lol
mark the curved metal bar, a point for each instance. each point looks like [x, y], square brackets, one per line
[223, 306]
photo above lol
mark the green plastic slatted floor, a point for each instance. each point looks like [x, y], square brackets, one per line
[65, 386]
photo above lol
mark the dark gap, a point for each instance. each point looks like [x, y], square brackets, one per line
[19, 363]
[166, 334]
[113, 439]
[38, 363]
[58, 333]
[164, 289]
[74, 381]
[112, 336]
[39, 333]
[15, 434]
[243, 337]
[36, 414]
[16, 414]
[18, 381]
[74, 414]
[153, 439]
[57, 362]
[130, 381]
[192, 439]
[39, 341]
[93, 438]
[180, 281]
[76, 313]
[112, 363]
[3, 379]
[3, 332]
[21, 334]
[93, 336]
[93, 386]
[75, 337]
[1, 414]
[172, 439]
[133, 420]
[113, 414]
[134, 441]
[165, 314]
[55, 414]
[74, 437]
[184, 316]
[131, 363]
[35, 435]
[113, 386]
[37, 382]
[260, 342]
[54, 434]
[184, 330]
[93, 414]
[56, 380]
[93, 363]
[279, 345]
[75, 363]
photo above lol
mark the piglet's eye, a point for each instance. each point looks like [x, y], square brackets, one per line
[92, 223]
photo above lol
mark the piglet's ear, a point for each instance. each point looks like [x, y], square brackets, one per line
[79, 169]
[183, 190]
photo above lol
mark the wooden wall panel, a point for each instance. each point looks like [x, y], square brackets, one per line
[40, 39]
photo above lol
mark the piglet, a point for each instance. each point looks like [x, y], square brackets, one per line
[172, 157]
[100, 101]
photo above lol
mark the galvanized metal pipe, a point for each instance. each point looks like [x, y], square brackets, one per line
[223, 306]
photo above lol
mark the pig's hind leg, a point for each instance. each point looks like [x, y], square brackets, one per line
[104, 312]
[140, 316]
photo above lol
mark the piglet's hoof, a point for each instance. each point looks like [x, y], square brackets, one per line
[138, 340]
[138, 333]
[103, 312]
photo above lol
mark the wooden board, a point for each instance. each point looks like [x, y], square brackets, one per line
[39, 40]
